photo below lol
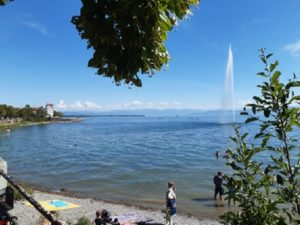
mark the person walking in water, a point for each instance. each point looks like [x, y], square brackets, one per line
[170, 203]
[218, 181]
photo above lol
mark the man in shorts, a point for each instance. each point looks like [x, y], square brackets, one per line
[218, 181]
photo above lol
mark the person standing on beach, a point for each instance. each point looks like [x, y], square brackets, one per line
[218, 181]
[170, 203]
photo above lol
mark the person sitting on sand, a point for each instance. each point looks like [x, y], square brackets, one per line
[171, 204]
[98, 220]
[218, 181]
[102, 217]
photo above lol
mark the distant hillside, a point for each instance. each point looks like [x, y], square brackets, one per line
[223, 116]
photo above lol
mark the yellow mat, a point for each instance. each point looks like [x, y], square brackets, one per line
[55, 205]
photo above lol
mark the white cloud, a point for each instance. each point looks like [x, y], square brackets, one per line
[293, 48]
[135, 104]
[61, 105]
[36, 26]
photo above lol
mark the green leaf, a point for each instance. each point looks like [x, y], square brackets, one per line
[273, 66]
[268, 56]
[244, 136]
[263, 74]
[268, 169]
[263, 60]
[293, 84]
[259, 135]
[275, 76]
[254, 109]
[265, 141]
[258, 99]
[251, 119]
[233, 139]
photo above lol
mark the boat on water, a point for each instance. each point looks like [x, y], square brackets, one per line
[8, 131]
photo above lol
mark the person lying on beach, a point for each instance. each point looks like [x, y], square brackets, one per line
[103, 218]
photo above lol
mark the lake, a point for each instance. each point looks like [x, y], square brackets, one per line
[127, 159]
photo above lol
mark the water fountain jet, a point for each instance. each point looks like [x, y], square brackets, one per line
[228, 101]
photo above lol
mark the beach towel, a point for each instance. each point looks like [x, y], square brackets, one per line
[55, 205]
[131, 218]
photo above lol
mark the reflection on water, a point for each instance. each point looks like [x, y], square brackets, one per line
[127, 159]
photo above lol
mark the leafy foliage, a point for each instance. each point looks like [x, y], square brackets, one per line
[250, 186]
[3, 2]
[26, 113]
[128, 36]
[274, 184]
[83, 221]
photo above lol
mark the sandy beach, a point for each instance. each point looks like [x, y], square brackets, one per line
[29, 216]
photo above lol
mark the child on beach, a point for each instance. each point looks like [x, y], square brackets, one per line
[170, 204]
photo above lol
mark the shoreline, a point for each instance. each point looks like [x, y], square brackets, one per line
[28, 215]
[73, 195]
[9, 126]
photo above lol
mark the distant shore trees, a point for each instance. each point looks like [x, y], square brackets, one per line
[27, 113]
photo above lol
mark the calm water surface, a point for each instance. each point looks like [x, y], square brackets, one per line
[124, 159]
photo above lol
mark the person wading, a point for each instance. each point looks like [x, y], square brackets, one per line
[218, 181]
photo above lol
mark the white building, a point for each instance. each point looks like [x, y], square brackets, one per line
[50, 109]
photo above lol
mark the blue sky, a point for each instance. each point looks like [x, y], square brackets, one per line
[44, 60]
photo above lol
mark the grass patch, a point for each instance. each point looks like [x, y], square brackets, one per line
[18, 196]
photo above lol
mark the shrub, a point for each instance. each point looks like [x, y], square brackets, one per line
[83, 221]
[268, 190]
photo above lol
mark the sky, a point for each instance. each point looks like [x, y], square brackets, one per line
[43, 60]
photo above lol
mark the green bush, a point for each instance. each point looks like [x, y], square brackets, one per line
[18, 196]
[268, 190]
[83, 221]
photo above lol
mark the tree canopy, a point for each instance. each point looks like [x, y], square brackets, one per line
[127, 36]
[2, 2]
[27, 113]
